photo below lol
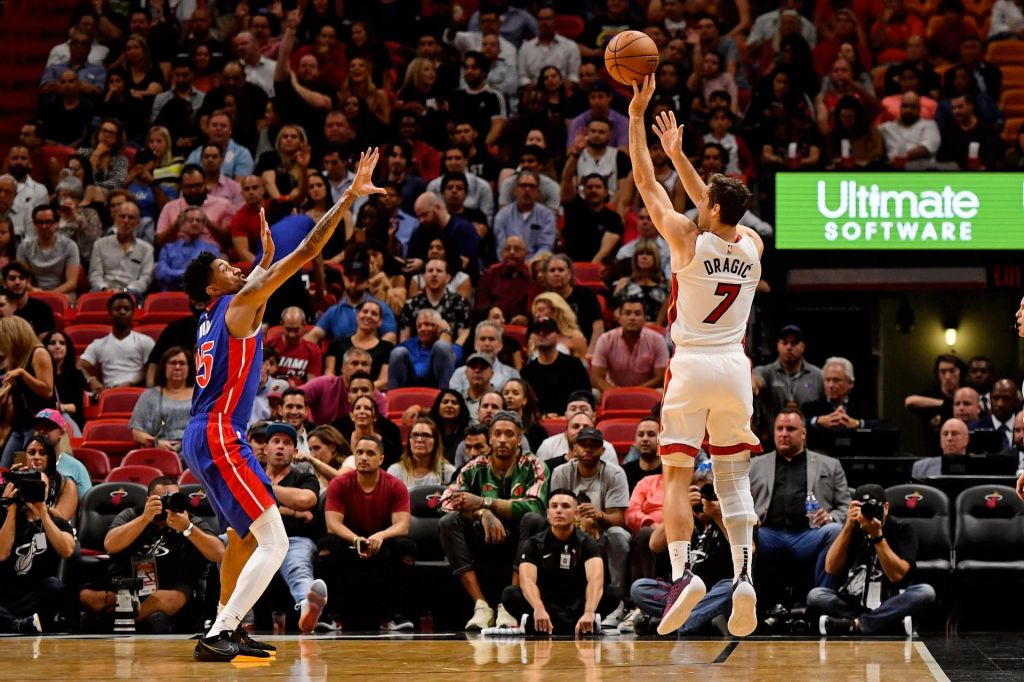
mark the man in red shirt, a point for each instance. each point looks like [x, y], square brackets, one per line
[507, 284]
[298, 360]
[367, 510]
[245, 226]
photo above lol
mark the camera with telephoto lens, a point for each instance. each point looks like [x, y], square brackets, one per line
[29, 484]
[176, 502]
[126, 605]
[872, 509]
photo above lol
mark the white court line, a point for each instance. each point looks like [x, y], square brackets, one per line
[929, 660]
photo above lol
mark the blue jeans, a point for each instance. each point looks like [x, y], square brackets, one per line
[649, 596]
[15, 443]
[802, 547]
[402, 372]
[889, 613]
[297, 569]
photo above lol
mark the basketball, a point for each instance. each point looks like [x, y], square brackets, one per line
[630, 56]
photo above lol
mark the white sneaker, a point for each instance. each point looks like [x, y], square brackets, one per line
[504, 619]
[908, 626]
[612, 620]
[397, 624]
[628, 624]
[743, 620]
[312, 606]
[483, 616]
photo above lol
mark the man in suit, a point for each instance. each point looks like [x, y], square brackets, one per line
[835, 411]
[953, 438]
[781, 482]
[1018, 442]
[1004, 405]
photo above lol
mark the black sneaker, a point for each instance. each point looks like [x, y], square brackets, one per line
[827, 625]
[247, 646]
[217, 649]
[27, 626]
[160, 623]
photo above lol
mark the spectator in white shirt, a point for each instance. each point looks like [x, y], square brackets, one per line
[911, 141]
[29, 192]
[548, 49]
[121, 354]
[259, 70]
[120, 262]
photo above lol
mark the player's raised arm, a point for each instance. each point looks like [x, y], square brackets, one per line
[671, 136]
[677, 230]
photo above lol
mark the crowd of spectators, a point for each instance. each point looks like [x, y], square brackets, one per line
[509, 264]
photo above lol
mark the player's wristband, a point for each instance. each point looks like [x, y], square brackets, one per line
[258, 271]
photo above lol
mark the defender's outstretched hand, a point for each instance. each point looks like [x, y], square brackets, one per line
[668, 132]
[642, 96]
[362, 184]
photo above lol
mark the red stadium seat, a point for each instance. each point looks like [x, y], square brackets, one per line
[135, 473]
[187, 478]
[621, 433]
[153, 331]
[628, 402]
[96, 462]
[569, 25]
[118, 403]
[401, 398]
[112, 436]
[553, 426]
[165, 307]
[82, 335]
[58, 302]
[92, 308]
[166, 461]
[517, 332]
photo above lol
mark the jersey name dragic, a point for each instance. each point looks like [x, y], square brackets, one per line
[227, 369]
[711, 297]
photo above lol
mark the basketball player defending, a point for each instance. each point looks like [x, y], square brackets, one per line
[228, 360]
[716, 265]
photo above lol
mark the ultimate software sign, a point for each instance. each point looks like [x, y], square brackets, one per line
[906, 210]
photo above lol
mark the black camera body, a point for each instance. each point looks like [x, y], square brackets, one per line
[132, 584]
[175, 502]
[29, 483]
[872, 509]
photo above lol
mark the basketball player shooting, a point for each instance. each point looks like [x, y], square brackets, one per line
[228, 361]
[716, 265]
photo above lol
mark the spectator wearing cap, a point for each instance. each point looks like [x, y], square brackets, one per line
[121, 354]
[484, 509]
[873, 557]
[176, 255]
[479, 381]
[603, 493]
[340, 319]
[121, 262]
[487, 342]
[298, 360]
[296, 492]
[526, 218]
[631, 354]
[257, 437]
[51, 425]
[835, 410]
[367, 510]
[554, 376]
[599, 96]
[426, 359]
[556, 447]
[790, 381]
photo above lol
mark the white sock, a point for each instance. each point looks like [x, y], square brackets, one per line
[259, 570]
[741, 555]
[679, 555]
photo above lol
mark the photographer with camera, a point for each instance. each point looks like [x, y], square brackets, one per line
[33, 540]
[875, 554]
[164, 547]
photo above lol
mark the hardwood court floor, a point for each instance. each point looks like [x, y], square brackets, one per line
[468, 660]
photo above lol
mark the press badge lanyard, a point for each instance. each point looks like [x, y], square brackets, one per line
[565, 560]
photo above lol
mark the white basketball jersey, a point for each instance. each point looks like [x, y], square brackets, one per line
[711, 296]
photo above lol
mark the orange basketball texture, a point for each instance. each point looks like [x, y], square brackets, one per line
[630, 56]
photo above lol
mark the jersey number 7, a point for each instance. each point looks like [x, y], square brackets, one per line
[204, 364]
[731, 293]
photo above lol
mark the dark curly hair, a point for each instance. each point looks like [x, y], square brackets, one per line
[197, 276]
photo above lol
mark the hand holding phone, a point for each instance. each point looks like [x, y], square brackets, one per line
[361, 545]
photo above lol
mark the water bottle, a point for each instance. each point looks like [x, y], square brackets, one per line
[812, 506]
[427, 623]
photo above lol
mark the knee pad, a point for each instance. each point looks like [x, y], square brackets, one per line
[271, 537]
[732, 485]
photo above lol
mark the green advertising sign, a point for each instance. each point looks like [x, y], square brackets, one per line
[907, 210]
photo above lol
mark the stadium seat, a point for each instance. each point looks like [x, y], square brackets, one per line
[118, 402]
[187, 478]
[96, 462]
[135, 473]
[112, 436]
[153, 331]
[1013, 77]
[424, 528]
[554, 425]
[165, 307]
[517, 332]
[167, 461]
[98, 508]
[401, 398]
[569, 25]
[1011, 103]
[632, 402]
[589, 275]
[935, 21]
[927, 510]
[82, 335]
[1011, 129]
[91, 308]
[199, 505]
[621, 433]
[58, 302]
[989, 530]
[1005, 53]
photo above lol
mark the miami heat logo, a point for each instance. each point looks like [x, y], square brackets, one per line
[195, 499]
[117, 497]
[488, 487]
[518, 491]
[433, 500]
[992, 499]
[912, 499]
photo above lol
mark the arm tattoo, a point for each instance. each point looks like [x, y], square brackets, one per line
[325, 228]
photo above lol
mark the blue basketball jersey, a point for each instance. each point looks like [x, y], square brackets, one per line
[227, 369]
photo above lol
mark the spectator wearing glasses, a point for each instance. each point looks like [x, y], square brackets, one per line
[109, 164]
[527, 219]
[176, 255]
[121, 262]
[54, 258]
[423, 461]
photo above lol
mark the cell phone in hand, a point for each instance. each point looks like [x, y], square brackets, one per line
[361, 546]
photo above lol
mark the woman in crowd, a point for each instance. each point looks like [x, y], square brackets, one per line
[520, 398]
[80, 167]
[451, 415]
[866, 147]
[28, 383]
[167, 168]
[68, 380]
[62, 496]
[363, 43]
[360, 82]
[570, 339]
[552, 84]
[421, 95]
[119, 105]
[364, 419]
[423, 461]
[367, 337]
[80, 225]
[328, 451]
[283, 170]
[318, 196]
[647, 281]
[145, 81]
[162, 411]
[109, 164]
[207, 76]
[387, 281]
